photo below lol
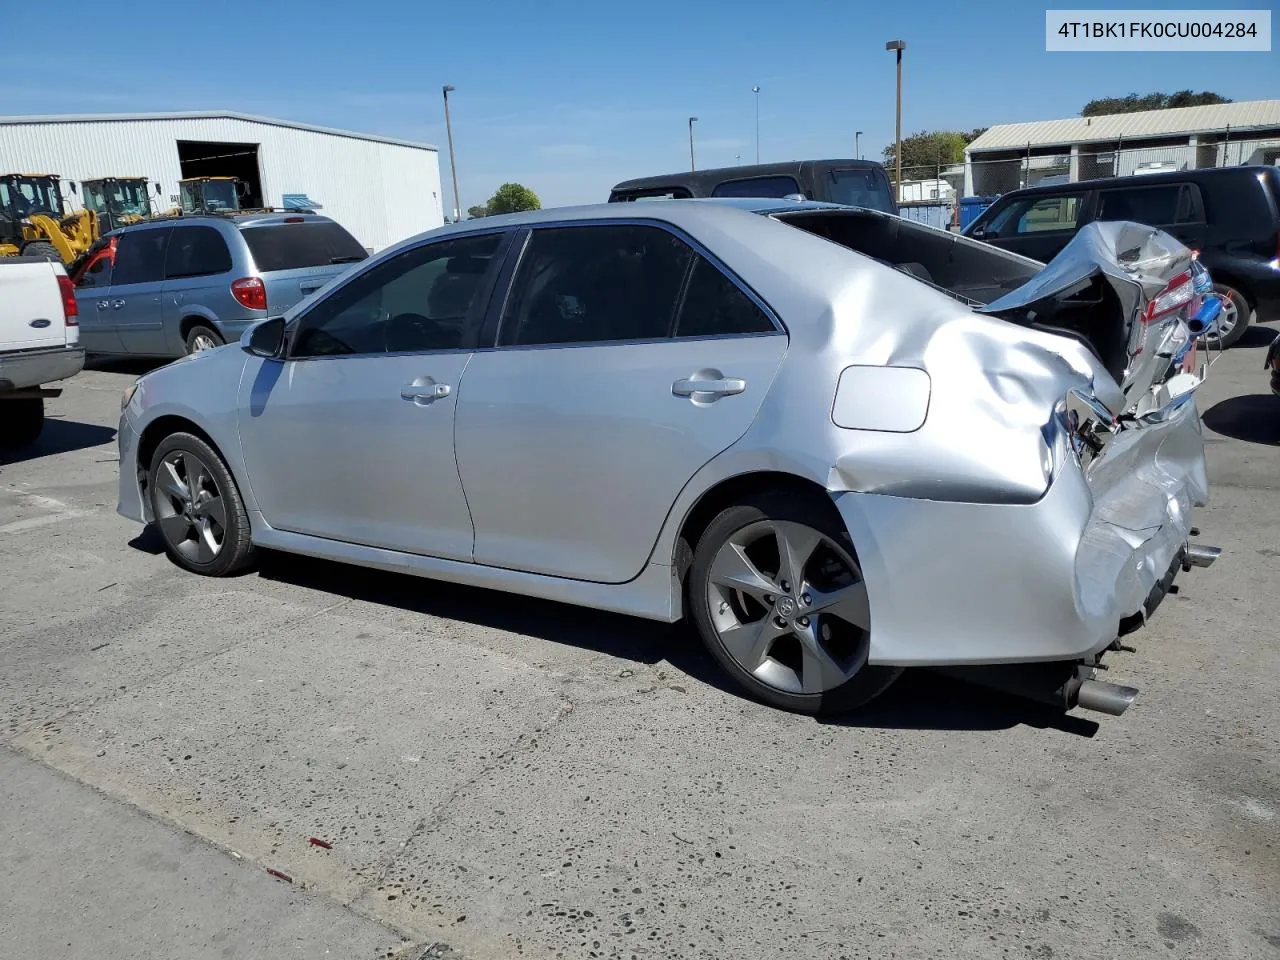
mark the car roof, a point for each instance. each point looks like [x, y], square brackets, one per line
[235, 220]
[1136, 180]
[742, 172]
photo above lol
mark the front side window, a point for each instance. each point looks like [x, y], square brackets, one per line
[595, 284]
[714, 306]
[1033, 215]
[96, 269]
[196, 252]
[421, 300]
[1151, 206]
[758, 187]
[140, 256]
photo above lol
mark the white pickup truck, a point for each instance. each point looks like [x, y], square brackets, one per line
[39, 343]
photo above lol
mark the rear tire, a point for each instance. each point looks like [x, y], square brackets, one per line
[43, 249]
[777, 595]
[201, 338]
[1237, 307]
[21, 421]
[198, 508]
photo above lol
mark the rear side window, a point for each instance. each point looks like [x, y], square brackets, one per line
[1151, 206]
[595, 284]
[196, 252]
[140, 256]
[1032, 215]
[656, 193]
[714, 306]
[292, 246]
[859, 188]
[757, 187]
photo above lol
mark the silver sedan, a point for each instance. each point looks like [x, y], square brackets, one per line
[839, 442]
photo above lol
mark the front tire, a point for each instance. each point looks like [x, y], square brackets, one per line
[198, 508]
[22, 421]
[1234, 319]
[201, 338]
[777, 595]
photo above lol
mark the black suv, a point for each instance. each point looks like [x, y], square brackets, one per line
[857, 183]
[1230, 214]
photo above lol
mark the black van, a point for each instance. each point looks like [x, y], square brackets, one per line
[1230, 214]
[857, 183]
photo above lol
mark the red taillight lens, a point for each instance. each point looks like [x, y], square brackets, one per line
[70, 310]
[1177, 293]
[250, 292]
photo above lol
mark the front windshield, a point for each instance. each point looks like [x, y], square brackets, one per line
[130, 197]
[28, 195]
[859, 188]
[220, 195]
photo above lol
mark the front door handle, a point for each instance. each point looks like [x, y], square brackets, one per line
[707, 385]
[117, 304]
[423, 390]
[104, 304]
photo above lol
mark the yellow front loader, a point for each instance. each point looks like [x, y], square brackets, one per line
[33, 222]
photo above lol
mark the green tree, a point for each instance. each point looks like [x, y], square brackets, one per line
[513, 198]
[480, 210]
[1135, 102]
[931, 149]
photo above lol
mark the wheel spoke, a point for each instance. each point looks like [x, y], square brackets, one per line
[176, 528]
[849, 604]
[818, 671]
[215, 510]
[733, 569]
[796, 544]
[168, 480]
[206, 546]
[749, 643]
[197, 475]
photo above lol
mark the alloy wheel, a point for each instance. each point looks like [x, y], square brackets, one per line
[1227, 320]
[189, 507]
[201, 342]
[790, 606]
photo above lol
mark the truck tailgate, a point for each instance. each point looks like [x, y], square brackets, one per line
[31, 313]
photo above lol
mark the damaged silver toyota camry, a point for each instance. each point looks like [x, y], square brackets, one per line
[839, 442]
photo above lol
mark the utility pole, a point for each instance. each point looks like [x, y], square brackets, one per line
[898, 46]
[756, 91]
[857, 144]
[692, 165]
[453, 163]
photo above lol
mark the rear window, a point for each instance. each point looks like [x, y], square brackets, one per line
[292, 246]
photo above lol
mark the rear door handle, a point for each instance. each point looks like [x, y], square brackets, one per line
[423, 390]
[117, 304]
[708, 385]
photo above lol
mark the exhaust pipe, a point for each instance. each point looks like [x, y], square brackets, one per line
[1199, 555]
[1111, 698]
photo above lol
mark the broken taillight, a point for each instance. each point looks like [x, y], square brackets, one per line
[1177, 293]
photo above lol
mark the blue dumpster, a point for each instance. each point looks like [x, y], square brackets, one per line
[971, 208]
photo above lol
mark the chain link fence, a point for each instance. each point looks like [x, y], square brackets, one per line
[932, 193]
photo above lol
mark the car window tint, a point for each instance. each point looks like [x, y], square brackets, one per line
[309, 243]
[1147, 205]
[140, 256]
[1049, 213]
[715, 306]
[196, 252]
[419, 300]
[96, 269]
[595, 284]
[757, 187]
[859, 188]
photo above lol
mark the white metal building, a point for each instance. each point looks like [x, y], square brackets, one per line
[381, 189]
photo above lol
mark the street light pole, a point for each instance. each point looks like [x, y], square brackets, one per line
[692, 165]
[756, 91]
[453, 163]
[898, 46]
[857, 144]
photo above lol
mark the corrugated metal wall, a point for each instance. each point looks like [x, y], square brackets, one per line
[381, 192]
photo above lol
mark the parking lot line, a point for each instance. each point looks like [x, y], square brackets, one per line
[58, 512]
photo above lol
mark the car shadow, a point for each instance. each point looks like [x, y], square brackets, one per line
[1255, 336]
[112, 363]
[920, 700]
[1254, 418]
[59, 436]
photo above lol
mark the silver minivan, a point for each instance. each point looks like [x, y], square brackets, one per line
[164, 288]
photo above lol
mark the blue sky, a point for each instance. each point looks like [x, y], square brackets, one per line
[570, 97]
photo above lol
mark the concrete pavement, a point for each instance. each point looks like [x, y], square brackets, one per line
[509, 777]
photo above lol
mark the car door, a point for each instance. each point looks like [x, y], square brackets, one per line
[197, 279]
[350, 437]
[625, 361]
[137, 282]
[92, 280]
[1175, 208]
[1036, 226]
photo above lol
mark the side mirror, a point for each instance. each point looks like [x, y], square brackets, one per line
[72, 185]
[264, 339]
[159, 192]
[977, 233]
